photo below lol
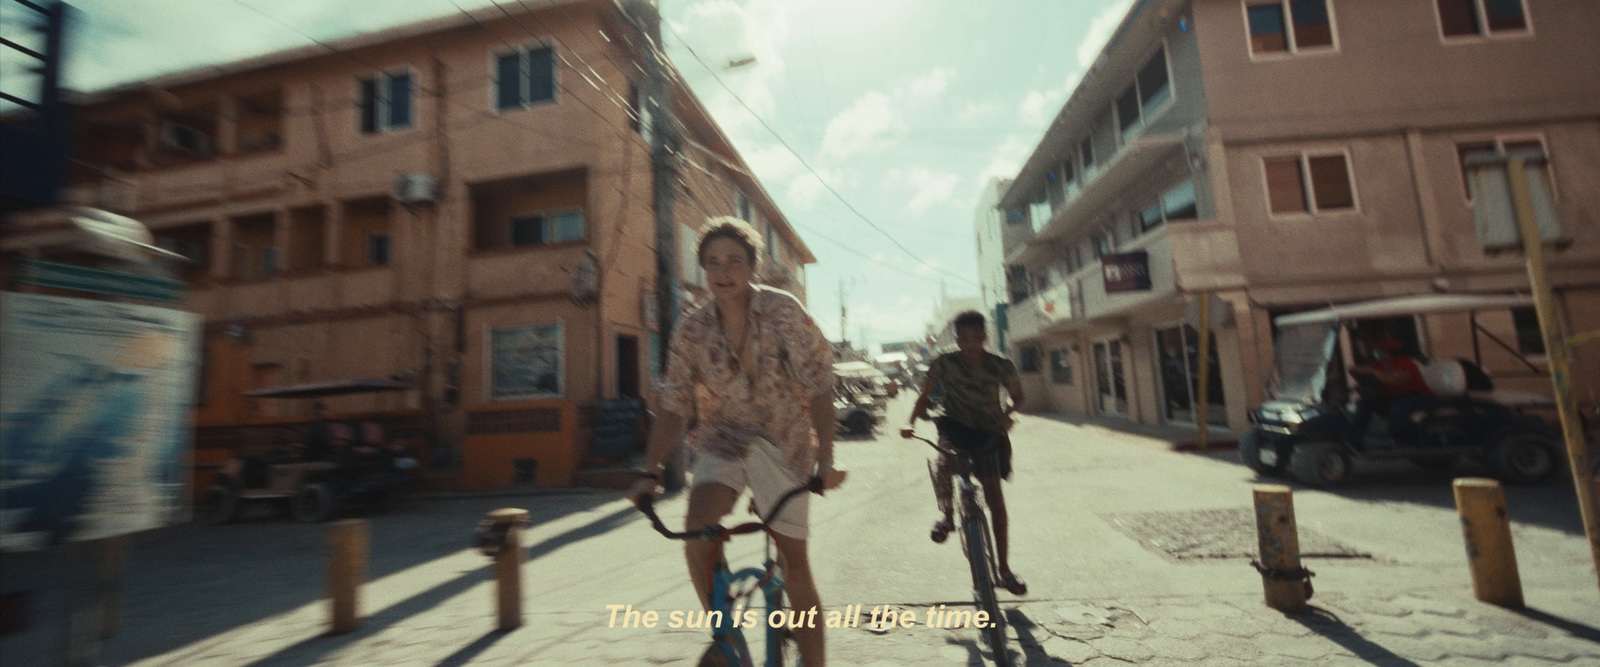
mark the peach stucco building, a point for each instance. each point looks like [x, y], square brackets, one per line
[464, 204]
[1287, 155]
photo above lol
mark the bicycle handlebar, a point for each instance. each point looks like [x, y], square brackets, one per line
[646, 506]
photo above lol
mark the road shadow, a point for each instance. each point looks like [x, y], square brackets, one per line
[1031, 648]
[1330, 626]
[470, 651]
[1219, 440]
[1582, 631]
[187, 583]
[594, 528]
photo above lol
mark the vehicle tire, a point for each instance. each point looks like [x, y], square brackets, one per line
[980, 554]
[1250, 454]
[1320, 464]
[1440, 462]
[219, 505]
[313, 503]
[1522, 457]
[859, 424]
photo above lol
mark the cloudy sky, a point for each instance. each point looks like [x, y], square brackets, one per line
[903, 107]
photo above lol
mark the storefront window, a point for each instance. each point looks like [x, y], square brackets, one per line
[1178, 358]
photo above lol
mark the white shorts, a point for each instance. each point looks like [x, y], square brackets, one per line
[765, 470]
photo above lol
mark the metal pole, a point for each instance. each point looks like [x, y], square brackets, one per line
[1204, 398]
[646, 21]
[1555, 351]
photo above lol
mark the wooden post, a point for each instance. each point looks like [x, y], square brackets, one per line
[1280, 547]
[1555, 348]
[1204, 399]
[508, 567]
[1482, 505]
[347, 543]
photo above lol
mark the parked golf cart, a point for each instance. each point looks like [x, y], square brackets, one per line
[854, 413]
[315, 471]
[1305, 428]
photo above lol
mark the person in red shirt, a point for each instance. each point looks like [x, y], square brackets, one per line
[1402, 390]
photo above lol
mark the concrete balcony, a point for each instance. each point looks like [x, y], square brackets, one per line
[1205, 256]
[1147, 158]
[1040, 313]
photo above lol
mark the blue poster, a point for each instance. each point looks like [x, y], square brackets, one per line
[94, 418]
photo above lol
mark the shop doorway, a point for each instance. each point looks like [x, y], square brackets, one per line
[1111, 387]
[1178, 367]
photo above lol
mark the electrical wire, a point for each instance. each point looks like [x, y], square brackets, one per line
[807, 165]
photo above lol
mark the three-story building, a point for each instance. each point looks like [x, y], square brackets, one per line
[1284, 155]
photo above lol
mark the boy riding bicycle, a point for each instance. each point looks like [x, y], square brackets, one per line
[970, 380]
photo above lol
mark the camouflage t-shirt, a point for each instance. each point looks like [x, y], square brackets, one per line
[972, 395]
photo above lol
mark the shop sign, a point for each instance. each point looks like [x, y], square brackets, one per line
[1126, 272]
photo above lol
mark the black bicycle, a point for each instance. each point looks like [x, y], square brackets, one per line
[976, 540]
[728, 645]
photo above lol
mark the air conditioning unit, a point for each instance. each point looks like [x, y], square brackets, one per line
[414, 188]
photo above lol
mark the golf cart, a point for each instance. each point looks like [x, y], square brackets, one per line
[1306, 426]
[315, 470]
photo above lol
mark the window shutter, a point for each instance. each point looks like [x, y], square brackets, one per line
[541, 75]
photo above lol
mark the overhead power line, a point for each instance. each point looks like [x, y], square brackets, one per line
[807, 165]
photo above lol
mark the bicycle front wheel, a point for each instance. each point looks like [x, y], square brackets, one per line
[980, 550]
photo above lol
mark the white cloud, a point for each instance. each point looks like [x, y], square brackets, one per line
[772, 162]
[978, 110]
[806, 189]
[722, 32]
[868, 126]
[1006, 159]
[933, 83]
[929, 188]
[1100, 29]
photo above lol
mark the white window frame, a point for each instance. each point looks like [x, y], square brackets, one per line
[1293, 50]
[1305, 183]
[1138, 127]
[488, 362]
[743, 208]
[1483, 25]
[548, 221]
[1500, 141]
[384, 124]
[1070, 367]
[690, 271]
[524, 101]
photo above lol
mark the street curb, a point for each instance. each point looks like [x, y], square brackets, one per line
[514, 493]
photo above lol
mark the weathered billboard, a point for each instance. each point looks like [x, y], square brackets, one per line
[94, 418]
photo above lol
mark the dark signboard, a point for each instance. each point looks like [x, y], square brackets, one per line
[1126, 272]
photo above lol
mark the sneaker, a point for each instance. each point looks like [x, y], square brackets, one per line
[941, 531]
[1013, 583]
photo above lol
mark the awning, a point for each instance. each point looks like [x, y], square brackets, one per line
[855, 369]
[1408, 305]
[892, 358]
[329, 388]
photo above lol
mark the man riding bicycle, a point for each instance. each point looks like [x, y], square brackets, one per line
[970, 380]
[754, 372]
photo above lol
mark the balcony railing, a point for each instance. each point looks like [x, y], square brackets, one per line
[1135, 163]
[1040, 312]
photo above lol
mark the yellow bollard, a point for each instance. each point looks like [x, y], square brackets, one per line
[347, 543]
[1286, 584]
[1487, 529]
[508, 565]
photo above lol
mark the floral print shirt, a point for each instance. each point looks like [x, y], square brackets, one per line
[732, 396]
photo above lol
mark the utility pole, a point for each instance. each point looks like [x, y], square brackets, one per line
[656, 105]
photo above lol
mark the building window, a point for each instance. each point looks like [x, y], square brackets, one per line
[1288, 26]
[1502, 146]
[1178, 363]
[1017, 283]
[742, 207]
[689, 270]
[1029, 361]
[378, 249]
[1016, 216]
[386, 102]
[1145, 96]
[1530, 338]
[1102, 244]
[1039, 213]
[269, 261]
[1309, 184]
[523, 78]
[525, 363]
[1464, 18]
[1061, 367]
[1177, 203]
[546, 228]
[1086, 153]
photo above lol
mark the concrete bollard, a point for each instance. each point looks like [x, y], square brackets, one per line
[1286, 584]
[508, 565]
[347, 543]
[1487, 529]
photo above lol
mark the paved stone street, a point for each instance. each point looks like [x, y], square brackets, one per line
[1132, 553]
